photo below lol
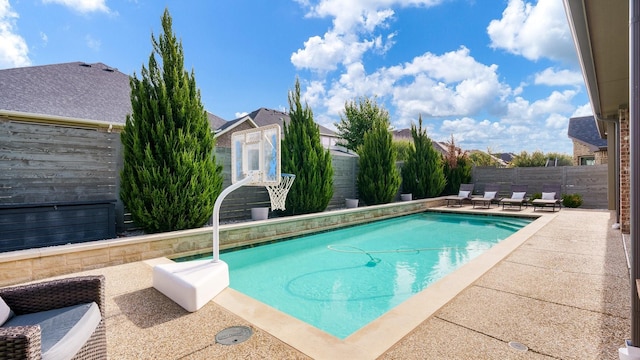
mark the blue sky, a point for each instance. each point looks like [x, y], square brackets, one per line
[496, 74]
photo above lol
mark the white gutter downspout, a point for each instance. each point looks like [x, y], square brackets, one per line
[634, 163]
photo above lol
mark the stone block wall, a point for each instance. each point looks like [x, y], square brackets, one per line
[625, 174]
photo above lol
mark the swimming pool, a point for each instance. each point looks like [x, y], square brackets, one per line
[340, 280]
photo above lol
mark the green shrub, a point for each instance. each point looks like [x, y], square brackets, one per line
[571, 200]
[403, 148]
[378, 178]
[170, 178]
[304, 156]
[423, 172]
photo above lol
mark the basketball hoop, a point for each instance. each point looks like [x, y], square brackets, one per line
[278, 193]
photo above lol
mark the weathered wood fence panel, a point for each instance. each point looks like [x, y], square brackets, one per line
[345, 168]
[588, 181]
[54, 182]
[44, 163]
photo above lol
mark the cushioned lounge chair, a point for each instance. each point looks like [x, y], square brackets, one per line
[551, 198]
[59, 319]
[463, 194]
[518, 197]
[489, 196]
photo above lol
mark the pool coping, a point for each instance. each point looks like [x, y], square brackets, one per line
[375, 338]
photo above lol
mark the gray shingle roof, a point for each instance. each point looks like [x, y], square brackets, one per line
[73, 90]
[264, 116]
[585, 130]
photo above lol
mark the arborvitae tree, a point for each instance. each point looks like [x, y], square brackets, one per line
[422, 173]
[170, 178]
[359, 117]
[457, 168]
[304, 156]
[378, 177]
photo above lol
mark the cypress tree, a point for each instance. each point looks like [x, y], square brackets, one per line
[170, 178]
[422, 173]
[304, 156]
[378, 177]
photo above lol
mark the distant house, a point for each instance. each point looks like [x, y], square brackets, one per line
[405, 135]
[263, 117]
[589, 148]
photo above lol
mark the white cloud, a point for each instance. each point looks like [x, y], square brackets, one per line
[323, 54]
[557, 121]
[352, 31]
[82, 6]
[553, 77]
[520, 111]
[92, 43]
[14, 51]
[451, 84]
[534, 31]
[584, 110]
[241, 114]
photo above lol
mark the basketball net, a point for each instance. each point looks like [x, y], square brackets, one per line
[278, 193]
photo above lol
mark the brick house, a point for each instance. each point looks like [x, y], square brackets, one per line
[600, 30]
[589, 148]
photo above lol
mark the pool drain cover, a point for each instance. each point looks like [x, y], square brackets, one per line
[233, 335]
[518, 346]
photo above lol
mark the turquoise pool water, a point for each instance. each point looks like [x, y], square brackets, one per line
[340, 280]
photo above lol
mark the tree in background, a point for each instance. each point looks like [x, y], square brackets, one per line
[403, 147]
[378, 177]
[304, 156]
[457, 168]
[170, 178]
[479, 158]
[538, 158]
[359, 118]
[422, 173]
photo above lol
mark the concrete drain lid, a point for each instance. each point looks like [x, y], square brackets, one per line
[518, 346]
[233, 335]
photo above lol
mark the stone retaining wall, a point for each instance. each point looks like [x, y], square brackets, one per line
[34, 264]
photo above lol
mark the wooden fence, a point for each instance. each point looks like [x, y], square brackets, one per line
[588, 181]
[52, 166]
[58, 184]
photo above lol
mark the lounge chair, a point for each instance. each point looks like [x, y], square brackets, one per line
[490, 196]
[54, 319]
[550, 198]
[518, 197]
[463, 194]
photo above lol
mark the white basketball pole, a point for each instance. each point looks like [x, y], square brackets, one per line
[216, 215]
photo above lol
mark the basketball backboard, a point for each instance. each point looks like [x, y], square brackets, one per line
[256, 153]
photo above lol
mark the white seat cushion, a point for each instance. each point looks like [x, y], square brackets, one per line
[548, 196]
[463, 194]
[63, 331]
[518, 196]
[5, 312]
[490, 194]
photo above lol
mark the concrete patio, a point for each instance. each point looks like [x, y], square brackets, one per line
[563, 293]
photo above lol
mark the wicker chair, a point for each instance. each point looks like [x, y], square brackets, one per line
[24, 342]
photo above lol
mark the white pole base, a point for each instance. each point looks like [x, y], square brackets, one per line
[191, 284]
[629, 352]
